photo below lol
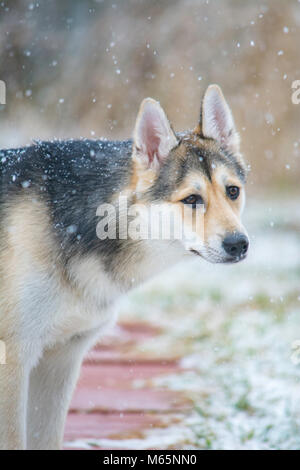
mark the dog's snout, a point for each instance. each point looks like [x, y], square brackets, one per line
[236, 244]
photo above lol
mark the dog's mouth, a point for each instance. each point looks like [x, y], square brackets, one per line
[215, 257]
[195, 252]
[235, 259]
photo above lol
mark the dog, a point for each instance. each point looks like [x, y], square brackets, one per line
[59, 281]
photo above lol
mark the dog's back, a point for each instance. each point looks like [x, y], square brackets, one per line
[71, 178]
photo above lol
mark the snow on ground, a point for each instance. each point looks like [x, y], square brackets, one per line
[235, 329]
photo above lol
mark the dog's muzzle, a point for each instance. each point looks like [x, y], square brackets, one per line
[236, 245]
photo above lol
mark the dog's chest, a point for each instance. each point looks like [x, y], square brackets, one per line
[77, 314]
[59, 310]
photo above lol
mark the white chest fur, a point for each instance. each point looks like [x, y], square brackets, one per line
[59, 310]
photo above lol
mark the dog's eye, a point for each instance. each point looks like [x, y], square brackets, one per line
[233, 192]
[193, 200]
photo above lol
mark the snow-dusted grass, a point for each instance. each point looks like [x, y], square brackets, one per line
[234, 326]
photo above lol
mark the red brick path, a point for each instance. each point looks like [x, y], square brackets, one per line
[110, 403]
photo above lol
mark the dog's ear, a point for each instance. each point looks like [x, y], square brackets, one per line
[216, 119]
[153, 135]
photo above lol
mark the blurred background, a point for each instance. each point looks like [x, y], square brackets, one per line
[81, 68]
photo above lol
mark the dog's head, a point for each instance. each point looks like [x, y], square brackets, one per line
[195, 172]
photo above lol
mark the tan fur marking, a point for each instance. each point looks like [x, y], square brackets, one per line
[24, 240]
[222, 215]
[143, 177]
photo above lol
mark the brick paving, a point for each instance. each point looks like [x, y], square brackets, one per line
[115, 399]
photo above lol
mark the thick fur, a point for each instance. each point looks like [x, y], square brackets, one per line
[59, 283]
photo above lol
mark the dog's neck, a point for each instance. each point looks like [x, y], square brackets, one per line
[146, 260]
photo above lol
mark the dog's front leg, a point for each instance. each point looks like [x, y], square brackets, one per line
[50, 390]
[14, 377]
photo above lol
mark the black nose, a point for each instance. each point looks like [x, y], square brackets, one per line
[236, 244]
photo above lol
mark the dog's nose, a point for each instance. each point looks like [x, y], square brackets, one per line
[236, 244]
